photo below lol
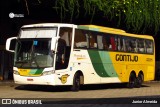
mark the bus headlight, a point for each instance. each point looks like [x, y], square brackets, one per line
[47, 73]
[16, 72]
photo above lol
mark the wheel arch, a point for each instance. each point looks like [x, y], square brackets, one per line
[81, 76]
[141, 73]
[132, 72]
[131, 79]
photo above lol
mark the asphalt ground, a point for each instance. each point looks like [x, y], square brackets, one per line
[110, 95]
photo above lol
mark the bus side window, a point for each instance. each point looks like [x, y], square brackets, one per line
[127, 45]
[92, 40]
[66, 34]
[122, 44]
[119, 43]
[149, 46]
[141, 48]
[105, 45]
[110, 42]
[100, 42]
[133, 45]
[80, 40]
[113, 43]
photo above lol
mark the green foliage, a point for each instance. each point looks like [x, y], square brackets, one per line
[67, 7]
[140, 15]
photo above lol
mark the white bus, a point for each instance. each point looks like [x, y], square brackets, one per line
[67, 54]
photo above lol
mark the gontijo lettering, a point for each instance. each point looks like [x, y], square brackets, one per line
[122, 57]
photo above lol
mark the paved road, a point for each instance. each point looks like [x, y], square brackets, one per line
[112, 95]
[90, 91]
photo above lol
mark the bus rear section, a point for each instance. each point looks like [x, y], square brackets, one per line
[115, 56]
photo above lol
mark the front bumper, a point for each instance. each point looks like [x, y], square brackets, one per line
[36, 80]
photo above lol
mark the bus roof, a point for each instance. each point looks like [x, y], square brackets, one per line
[85, 27]
[48, 25]
[112, 31]
[99, 28]
[90, 27]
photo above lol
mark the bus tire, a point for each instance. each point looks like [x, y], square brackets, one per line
[132, 81]
[76, 82]
[139, 81]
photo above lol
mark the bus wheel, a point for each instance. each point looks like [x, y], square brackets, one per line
[76, 83]
[132, 80]
[139, 81]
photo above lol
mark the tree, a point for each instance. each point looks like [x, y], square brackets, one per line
[139, 16]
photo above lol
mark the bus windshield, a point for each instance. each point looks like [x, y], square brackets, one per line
[33, 53]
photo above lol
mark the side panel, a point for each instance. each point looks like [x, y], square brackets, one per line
[117, 66]
[80, 61]
[102, 63]
[125, 63]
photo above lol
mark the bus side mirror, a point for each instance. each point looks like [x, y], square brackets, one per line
[9, 44]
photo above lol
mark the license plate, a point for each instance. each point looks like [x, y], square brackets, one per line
[29, 79]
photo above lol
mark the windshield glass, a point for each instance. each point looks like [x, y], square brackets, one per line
[33, 53]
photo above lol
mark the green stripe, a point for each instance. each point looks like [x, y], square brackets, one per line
[102, 63]
[36, 71]
[88, 28]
